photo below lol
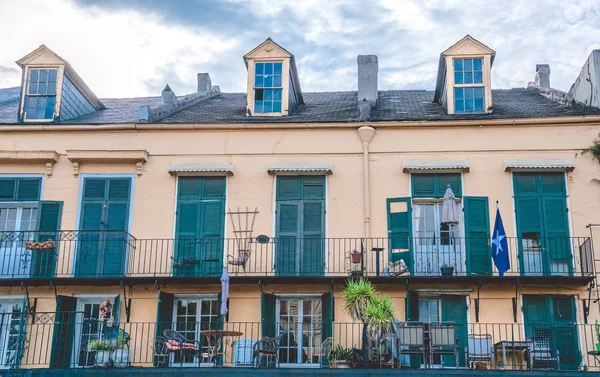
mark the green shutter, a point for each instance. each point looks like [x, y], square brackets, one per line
[288, 188]
[186, 242]
[553, 184]
[43, 262]
[115, 242]
[116, 311]
[313, 255]
[477, 235]
[214, 187]
[327, 318]
[7, 189]
[423, 185]
[454, 309]
[434, 185]
[88, 247]
[189, 187]
[94, 188]
[211, 238]
[525, 183]
[268, 303]
[556, 235]
[313, 187]
[64, 332]
[412, 306]
[448, 179]
[400, 231]
[288, 227]
[164, 319]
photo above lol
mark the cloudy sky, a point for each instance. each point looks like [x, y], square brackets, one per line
[134, 47]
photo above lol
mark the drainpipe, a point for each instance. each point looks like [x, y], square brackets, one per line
[366, 134]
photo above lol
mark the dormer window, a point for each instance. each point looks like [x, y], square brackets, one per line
[273, 85]
[268, 87]
[40, 100]
[464, 78]
[468, 85]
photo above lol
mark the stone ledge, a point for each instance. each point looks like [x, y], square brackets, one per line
[138, 157]
[47, 157]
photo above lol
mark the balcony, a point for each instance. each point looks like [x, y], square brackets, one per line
[69, 340]
[111, 256]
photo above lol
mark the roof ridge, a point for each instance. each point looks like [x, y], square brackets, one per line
[149, 115]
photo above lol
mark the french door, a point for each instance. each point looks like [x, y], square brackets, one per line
[191, 316]
[299, 320]
[17, 221]
[435, 244]
[12, 334]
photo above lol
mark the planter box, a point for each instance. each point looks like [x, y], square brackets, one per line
[120, 358]
[102, 358]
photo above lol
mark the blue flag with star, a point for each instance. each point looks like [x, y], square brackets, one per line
[500, 246]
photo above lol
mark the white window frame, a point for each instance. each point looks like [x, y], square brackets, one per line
[59, 79]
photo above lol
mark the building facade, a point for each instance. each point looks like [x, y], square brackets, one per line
[145, 201]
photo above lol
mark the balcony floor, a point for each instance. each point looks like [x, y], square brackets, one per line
[250, 372]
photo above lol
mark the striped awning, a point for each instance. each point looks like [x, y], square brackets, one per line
[301, 168]
[533, 165]
[408, 166]
[209, 169]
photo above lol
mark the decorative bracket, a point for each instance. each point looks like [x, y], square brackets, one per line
[477, 302]
[586, 305]
[137, 157]
[31, 306]
[53, 288]
[260, 284]
[126, 301]
[157, 285]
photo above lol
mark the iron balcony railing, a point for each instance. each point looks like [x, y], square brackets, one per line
[106, 254]
[70, 340]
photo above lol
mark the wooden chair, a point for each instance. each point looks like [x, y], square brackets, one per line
[542, 355]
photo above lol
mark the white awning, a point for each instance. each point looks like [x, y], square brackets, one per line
[301, 168]
[208, 169]
[539, 165]
[408, 166]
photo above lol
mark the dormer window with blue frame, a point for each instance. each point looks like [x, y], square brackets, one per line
[469, 94]
[40, 97]
[268, 87]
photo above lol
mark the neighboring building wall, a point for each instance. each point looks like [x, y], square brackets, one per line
[586, 89]
[73, 103]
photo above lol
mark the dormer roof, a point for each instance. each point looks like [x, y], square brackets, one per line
[43, 56]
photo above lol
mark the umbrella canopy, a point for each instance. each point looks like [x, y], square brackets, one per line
[450, 209]
[224, 290]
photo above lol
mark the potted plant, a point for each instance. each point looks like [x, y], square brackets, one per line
[597, 330]
[120, 351]
[102, 350]
[342, 358]
[356, 256]
[447, 270]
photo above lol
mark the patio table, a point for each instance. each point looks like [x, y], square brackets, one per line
[519, 345]
[228, 337]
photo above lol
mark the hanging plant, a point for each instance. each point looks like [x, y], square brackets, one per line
[594, 149]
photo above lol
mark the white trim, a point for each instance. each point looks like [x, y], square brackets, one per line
[33, 175]
[11, 299]
[82, 178]
[538, 165]
[201, 169]
[274, 226]
[300, 168]
[570, 224]
[435, 166]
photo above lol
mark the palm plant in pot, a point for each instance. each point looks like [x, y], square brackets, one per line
[343, 358]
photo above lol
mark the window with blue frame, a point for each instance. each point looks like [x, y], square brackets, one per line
[468, 95]
[40, 98]
[268, 87]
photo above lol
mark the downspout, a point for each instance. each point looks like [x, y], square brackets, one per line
[366, 134]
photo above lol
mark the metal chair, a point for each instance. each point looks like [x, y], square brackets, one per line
[268, 349]
[326, 347]
[479, 349]
[541, 352]
[176, 342]
[411, 339]
[241, 259]
[210, 353]
[443, 341]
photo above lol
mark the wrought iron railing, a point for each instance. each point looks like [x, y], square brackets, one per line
[106, 254]
[68, 340]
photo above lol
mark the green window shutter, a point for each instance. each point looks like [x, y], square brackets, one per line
[268, 303]
[313, 256]
[477, 234]
[423, 185]
[214, 187]
[454, 309]
[412, 306]
[313, 187]
[556, 233]
[399, 215]
[94, 188]
[525, 183]
[115, 244]
[28, 189]
[529, 215]
[187, 233]
[287, 237]
[288, 188]
[553, 183]
[118, 188]
[211, 238]
[116, 311]
[535, 309]
[449, 179]
[64, 332]
[189, 187]
[7, 189]
[43, 262]
[327, 318]
[164, 320]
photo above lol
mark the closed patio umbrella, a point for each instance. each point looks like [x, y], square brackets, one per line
[450, 209]
[224, 291]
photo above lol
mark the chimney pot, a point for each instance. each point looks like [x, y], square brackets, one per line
[368, 68]
[542, 75]
[204, 83]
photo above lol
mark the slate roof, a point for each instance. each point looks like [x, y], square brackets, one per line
[323, 107]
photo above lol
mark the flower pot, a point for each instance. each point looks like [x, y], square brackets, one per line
[102, 358]
[447, 271]
[120, 357]
[341, 365]
[598, 347]
[356, 257]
